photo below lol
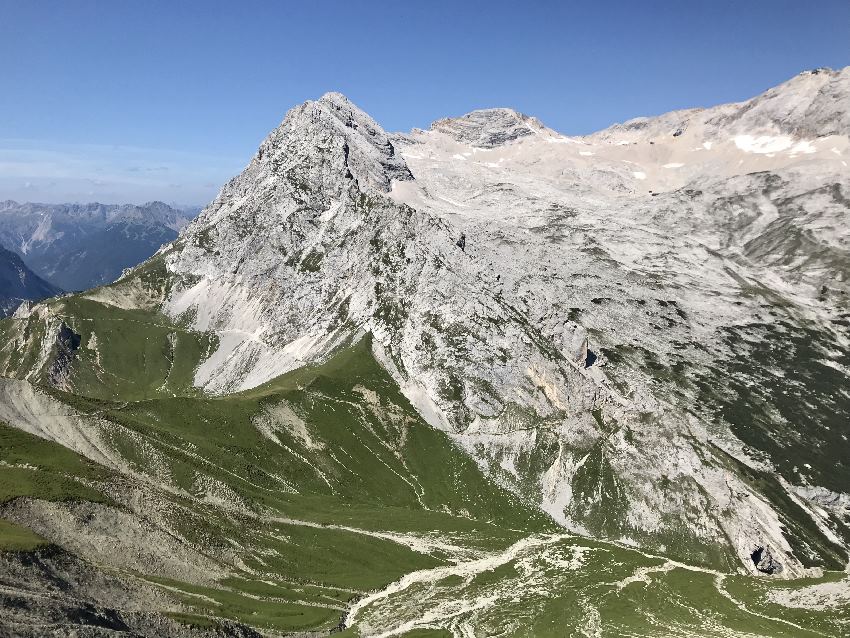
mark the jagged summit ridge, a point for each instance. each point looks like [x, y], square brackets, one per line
[284, 253]
[343, 134]
[488, 128]
[810, 105]
[149, 212]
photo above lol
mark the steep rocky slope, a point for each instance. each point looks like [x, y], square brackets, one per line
[18, 283]
[638, 336]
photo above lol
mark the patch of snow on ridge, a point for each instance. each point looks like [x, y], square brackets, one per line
[639, 175]
[562, 139]
[772, 144]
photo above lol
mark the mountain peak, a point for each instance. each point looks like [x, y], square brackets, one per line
[345, 110]
[335, 97]
[351, 116]
[810, 104]
[326, 142]
[487, 128]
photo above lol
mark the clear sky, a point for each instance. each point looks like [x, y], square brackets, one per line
[120, 100]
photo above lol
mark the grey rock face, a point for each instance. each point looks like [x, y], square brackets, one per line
[67, 343]
[488, 128]
[812, 104]
[346, 144]
[765, 562]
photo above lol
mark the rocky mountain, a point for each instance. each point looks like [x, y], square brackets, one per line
[303, 253]
[18, 283]
[484, 378]
[79, 246]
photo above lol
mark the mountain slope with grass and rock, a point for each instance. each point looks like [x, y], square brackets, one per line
[474, 378]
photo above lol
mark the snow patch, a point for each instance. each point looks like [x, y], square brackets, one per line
[772, 144]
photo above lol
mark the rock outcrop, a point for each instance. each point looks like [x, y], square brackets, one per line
[489, 128]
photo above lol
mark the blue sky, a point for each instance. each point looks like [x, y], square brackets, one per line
[136, 100]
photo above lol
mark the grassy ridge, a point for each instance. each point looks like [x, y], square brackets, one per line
[284, 488]
[332, 445]
[33, 467]
[18, 539]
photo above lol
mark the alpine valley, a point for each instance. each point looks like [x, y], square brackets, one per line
[80, 246]
[484, 379]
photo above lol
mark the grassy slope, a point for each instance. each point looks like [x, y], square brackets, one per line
[341, 447]
[33, 467]
[578, 587]
[18, 539]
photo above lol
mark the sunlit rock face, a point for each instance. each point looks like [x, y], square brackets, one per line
[489, 128]
[635, 330]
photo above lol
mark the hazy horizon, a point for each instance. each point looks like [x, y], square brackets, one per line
[121, 103]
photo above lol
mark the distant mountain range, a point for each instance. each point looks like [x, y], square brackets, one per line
[80, 246]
